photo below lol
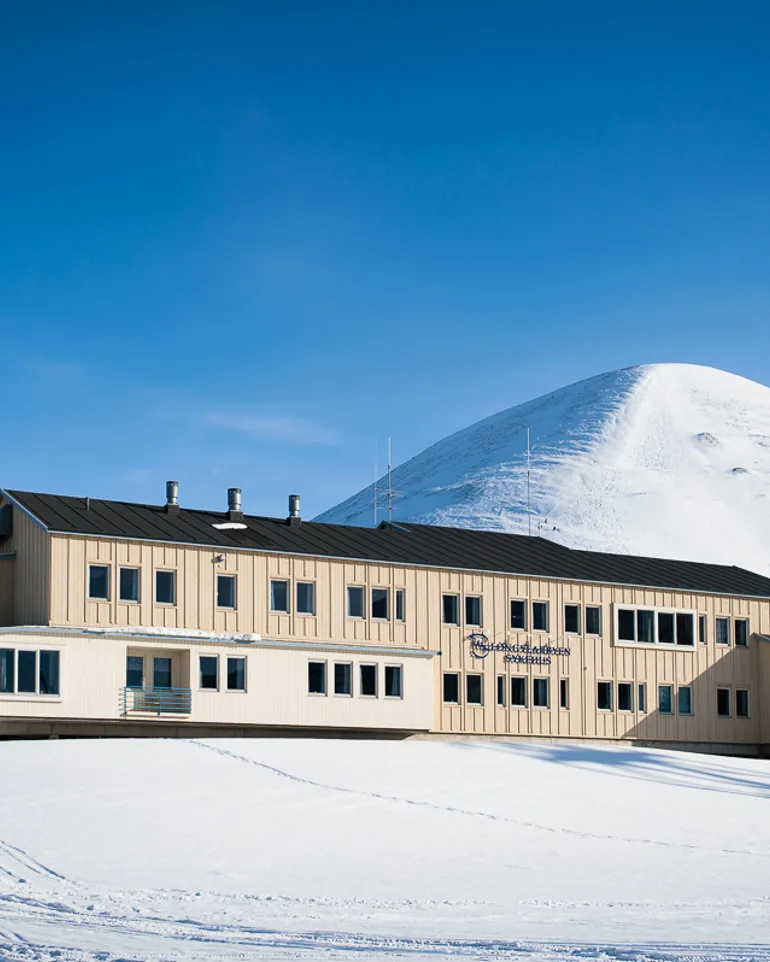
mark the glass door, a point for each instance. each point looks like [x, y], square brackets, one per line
[161, 672]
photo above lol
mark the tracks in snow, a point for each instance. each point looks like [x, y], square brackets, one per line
[14, 860]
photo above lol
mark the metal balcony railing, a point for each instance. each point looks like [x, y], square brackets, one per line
[155, 701]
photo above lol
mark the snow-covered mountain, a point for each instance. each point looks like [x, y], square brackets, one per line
[666, 459]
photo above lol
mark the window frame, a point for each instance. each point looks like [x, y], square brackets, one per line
[130, 601]
[722, 620]
[629, 686]
[368, 664]
[36, 651]
[469, 676]
[234, 580]
[300, 611]
[242, 658]
[524, 613]
[444, 676]
[610, 707]
[666, 686]
[578, 613]
[729, 691]
[469, 622]
[547, 608]
[747, 693]
[349, 692]
[325, 664]
[658, 645]
[500, 691]
[271, 597]
[523, 681]
[215, 659]
[174, 592]
[679, 690]
[743, 621]
[703, 629]
[641, 697]
[400, 605]
[107, 568]
[598, 609]
[393, 666]
[564, 694]
[445, 595]
[362, 590]
[386, 590]
[539, 680]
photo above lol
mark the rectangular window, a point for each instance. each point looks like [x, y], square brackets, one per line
[593, 620]
[684, 699]
[450, 609]
[99, 582]
[604, 696]
[741, 632]
[316, 677]
[645, 627]
[236, 674]
[7, 671]
[343, 678]
[722, 632]
[473, 692]
[48, 672]
[742, 702]
[685, 629]
[540, 616]
[666, 627]
[518, 692]
[724, 709]
[355, 602]
[381, 603]
[519, 615]
[451, 688]
[626, 625]
[564, 693]
[165, 587]
[572, 619]
[473, 611]
[702, 636]
[400, 604]
[540, 692]
[625, 696]
[393, 681]
[27, 669]
[305, 598]
[501, 691]
[279, 596]
[225, 591]
[209, 672]
[128, 584]
[641, 693]
[161, 672]
[368, 675]
[134, 671]
[665, 699]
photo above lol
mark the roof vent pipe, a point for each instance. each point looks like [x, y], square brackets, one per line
[294, 516]
[172, 497]
[234, 509]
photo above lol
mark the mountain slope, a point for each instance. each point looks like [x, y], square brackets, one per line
[669, 459]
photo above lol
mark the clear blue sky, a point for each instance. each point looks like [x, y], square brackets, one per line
[241, 241]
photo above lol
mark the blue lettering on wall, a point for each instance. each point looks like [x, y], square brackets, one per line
[522, 654]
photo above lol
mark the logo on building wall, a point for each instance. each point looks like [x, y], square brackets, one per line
[521, 654]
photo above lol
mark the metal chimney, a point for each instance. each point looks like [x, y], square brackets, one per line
[172, 497]
[294, 516]
[234, 509]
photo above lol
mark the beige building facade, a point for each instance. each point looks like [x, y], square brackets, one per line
[140, 619]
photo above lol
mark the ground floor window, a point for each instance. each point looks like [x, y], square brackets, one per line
[519, 692]
[684, 698]
[25, 672]
[501, 691]
[641, 693]
[625, 696]
[665, 699]
[134, 671]
[451, 688]
[564, 693]
[343, 678]
[236, 674]
[540, 692]
[604, 696]
[316, 677]
[473, 690]
[742, 702]
[393, 681]
[209, 674]
[724, 708]
[368, 677]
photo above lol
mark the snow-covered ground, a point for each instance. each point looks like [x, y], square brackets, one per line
[669, 460]
[299, 849]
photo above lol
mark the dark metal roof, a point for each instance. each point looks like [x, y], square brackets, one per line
[402, 543]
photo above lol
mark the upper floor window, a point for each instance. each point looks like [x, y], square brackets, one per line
[722, 631]
[572, 619]
[540, 616]
[519, 615]
[99, 582]
[165, 587]
[473, 611]
[356, 602]
[450, 609]
[702, 635]
[741, 632]
[128, 584]
[400, 604]
[651, 626]
[225, 591]
[381, 603]
[279, 596]
[305, 598]
[593, 620]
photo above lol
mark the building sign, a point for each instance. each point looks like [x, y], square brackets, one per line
[522, 654]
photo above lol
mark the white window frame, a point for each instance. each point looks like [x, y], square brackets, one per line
[500, 683]
[343, 694]
[523, 602]
[35, 649]
[729, 642]
[611, 709]
[369, 664]
[564, 694]
[670, 686]
[521, 706]
[541, 631]
[547, 680]
[748, 704]
[655, 645]
[362, 589]
[89, 596]
[138, 599]
[215, 656]
[402, 593]
[730, 706]
[325, 663]
[458, 676]
[165, 604]
[691, 712]
[234, 606]
[626, 711]
[458, 599]
[227, 688]
[480, 676]
[572, 604]
[480, 622]
[745, 619]
[385, 667]
[386, 589]
[600, 632]
[304, 614]
[278, 611]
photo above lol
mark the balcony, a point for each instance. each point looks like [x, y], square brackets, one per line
[155, 701]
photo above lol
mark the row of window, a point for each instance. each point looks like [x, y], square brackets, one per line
[651, 626]
[519, 690]
[99, 586]
[29, 672]
[342, 679]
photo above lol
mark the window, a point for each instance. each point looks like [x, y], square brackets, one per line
[540, 616]
[564, 693]
[604, 696]
[641, 693]
[666, 627]
[473, 611]
[572, 619]
[741, 632]
[540, 692]
[369, 681]
[316, 677]
[48, 675]
[665, 699]
[501, 691]
[518, 692]
[225, 591]
[742, 702]
[29, 672]
[208, 672]
[685, 629]
[305, 598]
[684, 697]
[450, 609]
[27, 663]
[625, 696]
[645, 627]
[165, 587]
[355, 602]
[473, 692]
[451, 688]
[400, 604]
[343, 678]
[161, 673]
[722, 634]
[134, 671]
[519, 615]
[279, 596]
[128, 584]
[724, 709]
[702, 637]
[593, 620]
[626, 625]
[381, 603]
[393, 681]
[7, 671]
[99, 582]
[236, 674]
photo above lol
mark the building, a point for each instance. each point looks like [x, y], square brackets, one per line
[127, 619]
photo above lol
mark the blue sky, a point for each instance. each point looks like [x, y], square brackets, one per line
[241, 242]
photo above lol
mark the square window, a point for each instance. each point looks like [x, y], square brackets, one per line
[685, 629]
[572, 619]
[722, 633]
[641, 693]
[225, 591]
[625, 696]
[48, 663]
[684, 698]
[316, 677]
[593, 620]
[99, 582]
[27, 670]
[450, 609]
[741, 632]
[400, 604]
[134, 671]
[518, 692]
[540, 616]
[626, 625]
[702, 636]
[355, 602]
[236, 674]
[645, 627]
[451, 688]
[128, 584]
[393, 681]
[165, 587]
[279, 596]
[540, 692]
[501, 691]
[724, 708]
[564, 693]
[666, 627]
[519, 615]
[473, 690]
[665, 699]
[604, 696]
[742, 702]
[381, 603]
[473, 611]
[343, 678]
[369, 681]
[7, 671]
[208, 672]
[305, 598]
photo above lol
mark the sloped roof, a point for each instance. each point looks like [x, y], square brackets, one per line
[401, 543]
